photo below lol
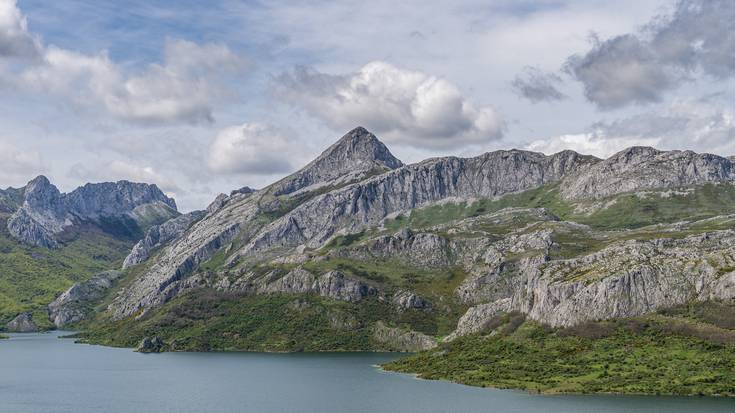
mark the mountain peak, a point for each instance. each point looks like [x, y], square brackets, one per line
[355, 155]
[359, 144]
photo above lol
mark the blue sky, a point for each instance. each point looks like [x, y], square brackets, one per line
[204, 97]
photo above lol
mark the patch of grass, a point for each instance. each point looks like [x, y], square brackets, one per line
[625, 211]
[626, 356]
[632, 211]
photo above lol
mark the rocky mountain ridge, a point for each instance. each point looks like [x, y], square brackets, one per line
[346, 209]
[45, 212]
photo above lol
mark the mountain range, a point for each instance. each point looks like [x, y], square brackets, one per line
[359, 251]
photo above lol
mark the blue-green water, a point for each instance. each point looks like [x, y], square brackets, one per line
[41, 373]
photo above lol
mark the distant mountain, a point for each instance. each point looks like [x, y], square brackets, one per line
[42, 212]
[50, 240]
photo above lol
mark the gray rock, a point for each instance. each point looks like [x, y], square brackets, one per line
[356, 155]
[640, 168]
[625, 279]
[22, 323]
[406, 300]
[76, 303]
[159, 235]
[477, 318]
[396, 339]
[423, 250]
[148, 345]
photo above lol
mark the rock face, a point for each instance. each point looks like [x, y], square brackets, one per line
[159, 235]
[332, 284]
[625, 279]
[45, 212]
[355, 156]
[10, 200]
[425, 250]
[640, 168]
[395, 339]
[631, 278]
[406, 300]
[365, 204]
[75, 304]
[23, 323]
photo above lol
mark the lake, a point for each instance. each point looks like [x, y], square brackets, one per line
[42, 373]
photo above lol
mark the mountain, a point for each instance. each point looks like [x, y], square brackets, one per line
[50, 240]
[44, 212]
[358, 251]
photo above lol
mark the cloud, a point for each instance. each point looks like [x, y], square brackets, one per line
[15, 40]
[251, 148]
[638, 68]
[537, 86]
[18, 164]
[402, 106]
[699, 125]
[179, 90]
[621, 71]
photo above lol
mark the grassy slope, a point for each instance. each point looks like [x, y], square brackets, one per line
[648, 355]
[31, 277]
[625, 211]
[206, 320]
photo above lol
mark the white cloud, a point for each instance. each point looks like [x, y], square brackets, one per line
[251, 148]
[179, 90]
[695, 39]
[15, 40]
[18, 165]
[402, 106]
[702, 126]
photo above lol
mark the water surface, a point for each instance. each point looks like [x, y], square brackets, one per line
[42, 373]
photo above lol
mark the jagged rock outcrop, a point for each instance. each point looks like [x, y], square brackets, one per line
[365, 204]
[396, 339]
[352, 158]
[631, 278]
[332, 284]
[75, 304]
[406, 300]
[45, 212]
[477, 318]
[22, 323]
[625, 279]
[159, 235]
[425, 250]
[639, 168]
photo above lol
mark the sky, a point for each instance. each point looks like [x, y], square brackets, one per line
[206, 97]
